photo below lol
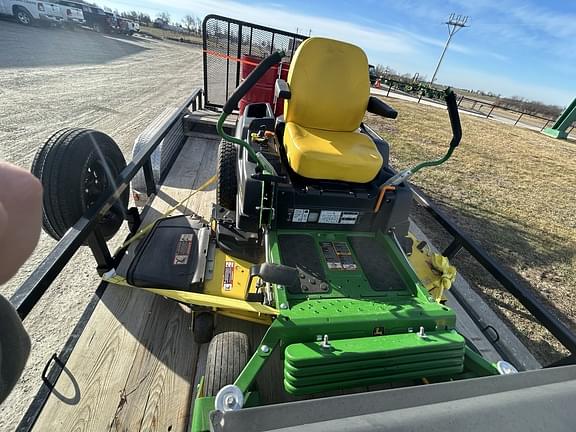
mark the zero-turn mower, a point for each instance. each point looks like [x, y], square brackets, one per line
[309, 237]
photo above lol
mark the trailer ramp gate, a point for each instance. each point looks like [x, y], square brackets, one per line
[225, 41]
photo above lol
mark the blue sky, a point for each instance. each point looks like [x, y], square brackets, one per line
[513, 47]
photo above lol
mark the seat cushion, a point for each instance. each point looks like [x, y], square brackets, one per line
[330, 86]
[321, 154]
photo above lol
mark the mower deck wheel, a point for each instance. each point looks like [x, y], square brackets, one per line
[228, 353]
[203, 327]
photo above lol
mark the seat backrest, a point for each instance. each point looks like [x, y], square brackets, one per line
[329, 84]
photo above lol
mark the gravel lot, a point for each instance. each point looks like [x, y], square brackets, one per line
[50, 79]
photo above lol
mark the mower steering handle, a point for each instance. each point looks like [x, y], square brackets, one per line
[251, 79]
[452, 107]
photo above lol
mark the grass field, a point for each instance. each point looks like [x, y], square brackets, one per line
[511, 189]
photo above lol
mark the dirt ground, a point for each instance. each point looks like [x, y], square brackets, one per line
[512, 190]
[50, 79]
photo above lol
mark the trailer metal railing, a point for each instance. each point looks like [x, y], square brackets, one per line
[524, 295]
[225, 41]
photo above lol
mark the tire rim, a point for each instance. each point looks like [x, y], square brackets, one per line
[23, 17]
[97, 184]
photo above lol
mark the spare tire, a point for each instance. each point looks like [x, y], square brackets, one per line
[77, 167]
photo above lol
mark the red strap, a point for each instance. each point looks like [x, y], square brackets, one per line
[227, 57]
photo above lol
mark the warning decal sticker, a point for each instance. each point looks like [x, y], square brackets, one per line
[338, 256]
[348, 218]
[330, 256]
[334, 217]
[329, 217]
[338, 217]
[300, 215]
[228, 279]
[183, 248]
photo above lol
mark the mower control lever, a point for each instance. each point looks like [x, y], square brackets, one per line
[274, 273]
[269, 178]
[454, 116]
[251, 80]
[232, 102]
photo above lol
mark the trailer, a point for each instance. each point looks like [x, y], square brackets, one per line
[309, 300]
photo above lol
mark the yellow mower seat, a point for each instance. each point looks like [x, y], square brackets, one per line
[330, 155]
[329, 88]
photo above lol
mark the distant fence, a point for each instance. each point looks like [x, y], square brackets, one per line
[476, 106]
[491, 110]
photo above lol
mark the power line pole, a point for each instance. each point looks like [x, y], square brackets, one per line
[455, 23]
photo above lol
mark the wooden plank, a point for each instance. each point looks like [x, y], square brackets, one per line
[96, 373]
[133, 365]
[157, 392]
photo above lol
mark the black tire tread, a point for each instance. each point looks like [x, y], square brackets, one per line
[228, 353]
[37, 170]
[227, 185]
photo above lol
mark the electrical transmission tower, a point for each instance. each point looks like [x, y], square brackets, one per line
[454, 23]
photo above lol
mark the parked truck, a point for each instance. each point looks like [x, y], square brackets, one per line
[72, 13]
[27, 12]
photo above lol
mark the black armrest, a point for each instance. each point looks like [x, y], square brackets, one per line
[377, 106]
[282, 90]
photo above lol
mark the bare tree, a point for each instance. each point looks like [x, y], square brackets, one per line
[189, 22]
[144, 18]
[164, 16]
